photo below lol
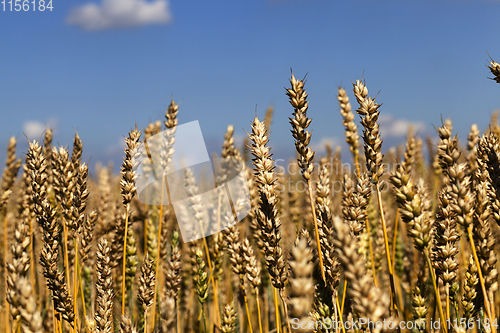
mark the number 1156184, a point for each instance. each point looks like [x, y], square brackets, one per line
[26, 5]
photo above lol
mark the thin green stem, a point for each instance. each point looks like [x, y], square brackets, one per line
[204, 318]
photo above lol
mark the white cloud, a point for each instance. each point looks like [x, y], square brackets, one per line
[319, 146]
[239, 139]
[33, 129]
[116, 147]
[120, 14]
[391, 126]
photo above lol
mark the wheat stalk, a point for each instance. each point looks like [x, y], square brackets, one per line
[166, 153]
[300, 122]
[351, 130]
[202, 285]
[104, 288]
[470, 294]
[18, 267]
[30, 319]
[267, 214]
[370, 302]
[301, 282]
[228, 319]
[12, 165]
[368, 110]
[46, 218]
[128, 190]
[147, 287]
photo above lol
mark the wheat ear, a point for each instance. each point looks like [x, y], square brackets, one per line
[267, 213]
[104, 288]
[495, 70]
[202, 284]
[168, 314]
[414, 208]
[128, 190]
[469, 290]
[147, 287]
[369, 301]
[228, 319]
[300, 122]
[87, 258]
[419, 305]
[126, 325]
[46, 218]
[239, 259]
[31, 321]
[253, 270]
[166, 153]
[483, 235]
[351, 130]
[301, 282]
[12, 165]
[368, 110]
[19, 265]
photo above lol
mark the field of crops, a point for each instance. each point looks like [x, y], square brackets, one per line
[401, 242]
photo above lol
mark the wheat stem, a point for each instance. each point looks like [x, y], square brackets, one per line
[212, 280]
[309, 189]
[400, 296]
[157, 264]
[83, 298]
[387, 251]
[340, 314]
[178, 315]
[32, 258]
[66, 260]
[127, 208]
[75, 281]
[285, 309]
[343, 298]
[5, 251]
[146, 320]
[258, 309]
[246, 306]
[481, 278]
[276, 306]
[447, 291]
[394, 239]
[204, 318]
[436, 291]
[370, 246]
[60, 326]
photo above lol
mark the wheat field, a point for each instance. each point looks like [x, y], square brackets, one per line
[366, 242]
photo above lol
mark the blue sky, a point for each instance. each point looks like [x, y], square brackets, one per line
[100, 69]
